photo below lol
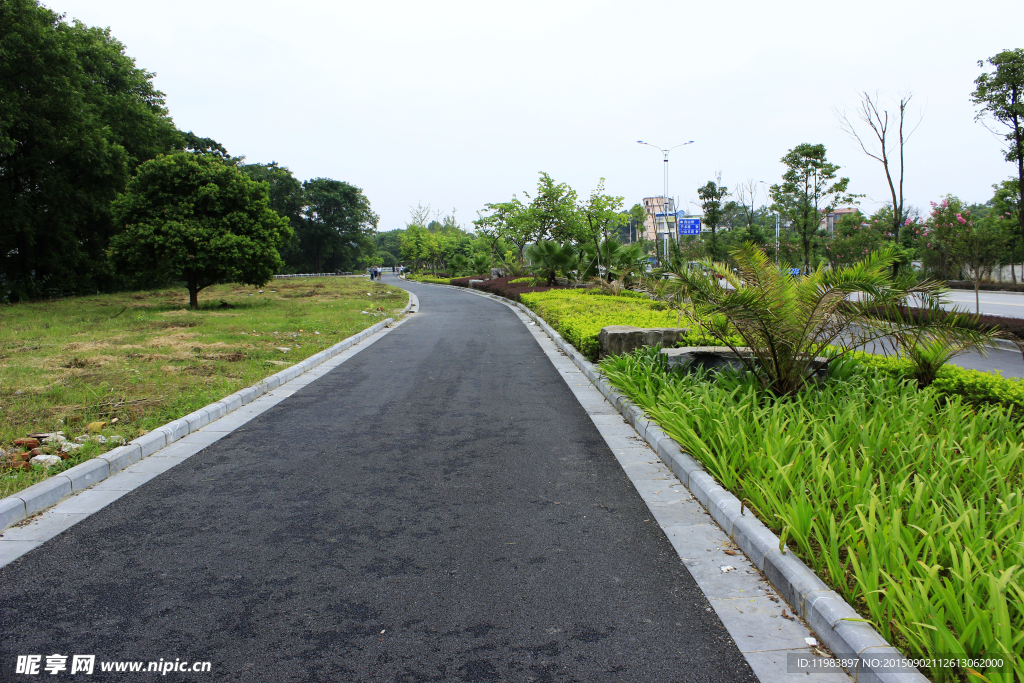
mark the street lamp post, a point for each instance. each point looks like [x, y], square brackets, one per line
[664, 154]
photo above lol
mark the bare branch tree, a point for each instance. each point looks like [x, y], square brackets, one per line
[747, 192]
[885, 143]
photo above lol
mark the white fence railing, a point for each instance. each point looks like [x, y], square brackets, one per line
[314, 275]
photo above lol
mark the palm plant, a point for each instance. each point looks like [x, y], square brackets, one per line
[550, 258]
[481, 264]
[789, 323]
[929, 335]
[459, 264]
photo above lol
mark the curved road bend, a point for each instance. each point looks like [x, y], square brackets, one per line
[437, 508]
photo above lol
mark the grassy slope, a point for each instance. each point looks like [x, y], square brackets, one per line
[145, 359]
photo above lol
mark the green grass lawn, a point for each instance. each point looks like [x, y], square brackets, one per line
[144, 359]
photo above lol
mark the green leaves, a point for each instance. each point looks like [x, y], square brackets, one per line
[808, 191]
[904, 501]
[76, 117]
[194, 218]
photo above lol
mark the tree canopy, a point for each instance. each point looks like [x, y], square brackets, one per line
[76, 117]
[1000, 95]
[197, 219]
[808, 190]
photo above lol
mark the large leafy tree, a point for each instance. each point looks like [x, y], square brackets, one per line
[711, 196]
[511, 221]
[76, 117]
[553, 211]
[598, 216]
[193, 218]
[808, 190]
[1000, 95]
[338, 224]
[285, 192]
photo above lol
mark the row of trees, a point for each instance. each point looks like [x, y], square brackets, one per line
[946, 241]
[78, 121]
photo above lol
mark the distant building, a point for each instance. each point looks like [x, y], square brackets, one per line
[654, 226]
[829, 220]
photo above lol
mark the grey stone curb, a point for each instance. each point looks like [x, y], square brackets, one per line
[27, 502]
[837, 624]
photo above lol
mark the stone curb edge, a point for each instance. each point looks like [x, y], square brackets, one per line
[840, 628]
[25, 503]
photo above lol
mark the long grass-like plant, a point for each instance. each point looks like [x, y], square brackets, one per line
[907, 503]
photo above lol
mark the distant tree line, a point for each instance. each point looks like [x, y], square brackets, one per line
[87, 150]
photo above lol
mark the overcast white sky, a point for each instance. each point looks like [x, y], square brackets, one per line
[455, 104]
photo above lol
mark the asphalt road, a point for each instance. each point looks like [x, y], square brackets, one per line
[1007, 304]
[438, 508]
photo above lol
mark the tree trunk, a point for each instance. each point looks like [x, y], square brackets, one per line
[977, 304]
[193, 294]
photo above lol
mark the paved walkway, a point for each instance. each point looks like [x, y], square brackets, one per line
[437, 508]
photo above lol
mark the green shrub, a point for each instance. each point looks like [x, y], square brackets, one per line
[975, 388]
[429, 278]
[905, 501]
[579, 314]
[532, 281]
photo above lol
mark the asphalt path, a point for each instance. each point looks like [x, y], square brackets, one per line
[437, 508]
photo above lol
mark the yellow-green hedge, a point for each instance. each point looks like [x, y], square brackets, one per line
[579, 314]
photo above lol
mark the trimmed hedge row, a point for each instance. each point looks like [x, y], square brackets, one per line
[428, 278]
[504, 287]
[579, 314]
[973, 386]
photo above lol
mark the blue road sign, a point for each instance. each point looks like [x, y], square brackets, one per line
[689, 226]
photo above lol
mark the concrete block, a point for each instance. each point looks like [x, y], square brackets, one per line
[46, 493]
[178, 429]
[656, 435]
[150, 443]
[792, 578]
[633, 415]
[197, 420]
[272, 382]
[134, 455]
[825, 610]
[249, 394]
[118, 458]
[12, 511]
[678, 460]
[754, 538]
[640, 425]
[231, 403]
[702, 485]
[87, 473]
[854, 637]
[216, 410]
[724, 508]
